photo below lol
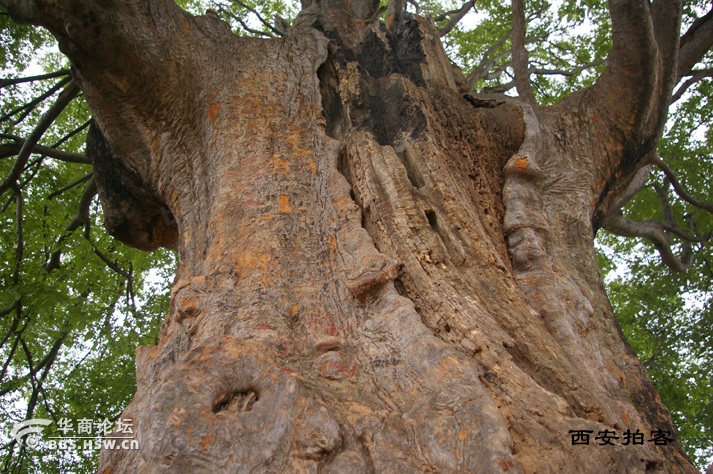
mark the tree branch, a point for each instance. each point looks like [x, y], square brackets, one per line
[259, 17]
[11, 355]
[20, 249]
[481, 70]
[695, 43]
[28, 107]
[77, 130]
[5, 312]
[20, 80]
[666, 18]
[500, 89]
[70, 186]
[634, 91]
[455, 17]
[695, 77]
[520, 58]
[662, 194]
[659, 163]
[65, 97]
[243, 24]
[566, 72]
[11, 149]
[654, 232]
[81, 218]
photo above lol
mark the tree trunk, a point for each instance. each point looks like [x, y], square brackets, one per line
[377, 273]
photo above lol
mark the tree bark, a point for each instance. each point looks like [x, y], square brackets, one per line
[376, 273]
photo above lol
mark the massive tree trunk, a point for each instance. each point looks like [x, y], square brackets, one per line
[378, 272]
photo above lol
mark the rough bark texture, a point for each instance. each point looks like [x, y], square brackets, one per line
[377, 273]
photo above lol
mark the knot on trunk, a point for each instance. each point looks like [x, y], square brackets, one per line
[229, 408]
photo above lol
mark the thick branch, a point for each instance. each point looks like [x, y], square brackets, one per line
[499, 89]
[666, 17]
[653, 231]
[633, 93]
[520, 58]
[695, 43]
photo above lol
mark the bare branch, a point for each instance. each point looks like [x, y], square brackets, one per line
[13, 349]
[11, 149]
[81, 218]
[695, 76]
[71, 134]
[624, 190]
[259, 17]
[497, 72]
[19, 250]
[659, 163]
[567, 72]
[455, 17]
[112, 265]
[6, 311]
[28, 107]
[695, 43]
[481, 70]
[65, 97]
[20, 80]
[520, 57]
[442, 16]
[662, 194]
[501, 89]
[654, 232]
[70, 186]
[245, 25]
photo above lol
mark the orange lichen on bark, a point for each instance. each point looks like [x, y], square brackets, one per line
[213, 111]
[312, 165]
[206, 440]
[285, 205]
[521, 163]
[280, 164]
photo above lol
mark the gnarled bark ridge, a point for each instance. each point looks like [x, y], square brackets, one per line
[377, 273]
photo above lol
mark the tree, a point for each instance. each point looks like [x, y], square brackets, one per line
[378, 269]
